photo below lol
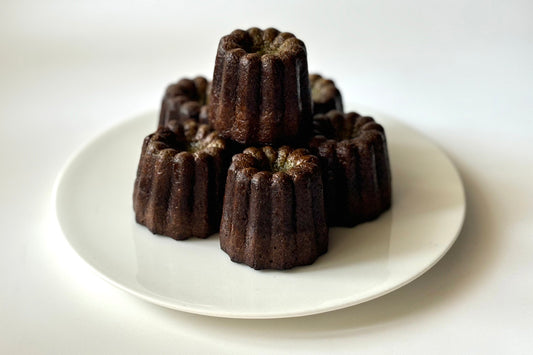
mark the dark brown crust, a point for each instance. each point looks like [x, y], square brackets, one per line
[261, 80]
[325, 95]
[178, 193]
[355, 167]
[273, 215]
[185, 99]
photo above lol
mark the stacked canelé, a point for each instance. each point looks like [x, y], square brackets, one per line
[260, 92]
[263, 154]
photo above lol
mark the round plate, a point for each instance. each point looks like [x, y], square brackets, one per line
[93, 202]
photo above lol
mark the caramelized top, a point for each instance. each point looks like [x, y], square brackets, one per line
[189, 136]
[261, 42]
[338, 126]
[284, 160]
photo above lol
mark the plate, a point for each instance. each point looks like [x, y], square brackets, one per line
[93, 203]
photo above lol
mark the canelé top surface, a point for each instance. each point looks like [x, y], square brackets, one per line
[188, 137]
[284, 160]
[261, 42]
[340, 127]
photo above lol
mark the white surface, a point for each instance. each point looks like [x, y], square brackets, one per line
[93, 202]
[460, 72]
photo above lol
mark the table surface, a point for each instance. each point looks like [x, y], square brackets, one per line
[459, 72]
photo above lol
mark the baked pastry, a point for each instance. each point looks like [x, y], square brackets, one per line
[184, 100]
[273, 215]
[355, 163]
[180, 180]
[260, 92]
[325, 95]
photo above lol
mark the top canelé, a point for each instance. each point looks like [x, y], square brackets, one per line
[260, 91]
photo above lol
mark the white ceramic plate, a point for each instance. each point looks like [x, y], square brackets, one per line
[94, 208]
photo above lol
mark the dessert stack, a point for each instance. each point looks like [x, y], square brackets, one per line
[264, 154]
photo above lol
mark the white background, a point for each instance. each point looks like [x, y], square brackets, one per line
[459, 72]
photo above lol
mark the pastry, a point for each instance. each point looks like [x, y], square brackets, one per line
[180, 181]
[355, 163]
[273, 215]
[260, 92]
